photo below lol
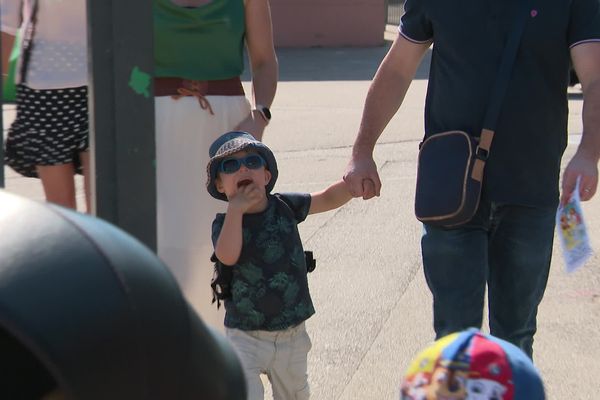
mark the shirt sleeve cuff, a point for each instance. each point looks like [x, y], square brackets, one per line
[410, 39]
[584, 41]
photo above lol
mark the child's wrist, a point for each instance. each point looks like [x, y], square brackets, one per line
[235, 208]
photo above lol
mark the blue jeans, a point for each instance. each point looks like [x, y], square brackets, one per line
[506, 246]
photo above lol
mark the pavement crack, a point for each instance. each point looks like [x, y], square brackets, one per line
[403, 289]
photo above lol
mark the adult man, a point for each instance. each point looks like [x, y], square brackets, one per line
[508, 243]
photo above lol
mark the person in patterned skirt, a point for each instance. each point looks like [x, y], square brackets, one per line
[49, 137]
[258, 238]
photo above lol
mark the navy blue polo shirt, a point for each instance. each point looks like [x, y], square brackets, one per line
[469, 37]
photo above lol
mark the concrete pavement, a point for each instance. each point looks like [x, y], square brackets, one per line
[373, 307]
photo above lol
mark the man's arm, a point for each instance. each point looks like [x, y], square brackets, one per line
[331, 198]
[385, 96]
[586, 61]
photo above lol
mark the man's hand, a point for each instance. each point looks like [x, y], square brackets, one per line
[586, 61]
[586, 167]
[362, 178]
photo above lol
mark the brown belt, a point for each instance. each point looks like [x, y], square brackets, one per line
[178, 87]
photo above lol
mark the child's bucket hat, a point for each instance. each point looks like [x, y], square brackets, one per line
[230, 143]
[470, 364]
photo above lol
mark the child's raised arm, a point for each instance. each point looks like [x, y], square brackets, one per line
[333, 197]
[229, 243]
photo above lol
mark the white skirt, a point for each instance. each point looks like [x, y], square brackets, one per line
[185, 210]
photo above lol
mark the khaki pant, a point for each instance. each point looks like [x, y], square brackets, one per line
[281, 355]
[185, 210]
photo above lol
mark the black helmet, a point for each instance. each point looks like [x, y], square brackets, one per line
[87, 309]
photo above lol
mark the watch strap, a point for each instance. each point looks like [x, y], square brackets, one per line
[264, 112]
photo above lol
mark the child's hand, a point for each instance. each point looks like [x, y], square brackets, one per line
[246, 197]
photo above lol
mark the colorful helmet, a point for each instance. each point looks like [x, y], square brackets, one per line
[472, 365]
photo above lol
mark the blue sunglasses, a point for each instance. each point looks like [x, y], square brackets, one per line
[232, 165]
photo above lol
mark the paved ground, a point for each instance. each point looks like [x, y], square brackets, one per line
[373, 308]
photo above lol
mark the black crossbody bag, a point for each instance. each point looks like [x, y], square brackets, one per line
[451, 164]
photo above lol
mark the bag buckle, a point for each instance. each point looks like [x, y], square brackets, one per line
[311, 263]
[221, 281]
[481, 153]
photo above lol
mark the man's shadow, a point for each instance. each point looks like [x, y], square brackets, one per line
[335, 63]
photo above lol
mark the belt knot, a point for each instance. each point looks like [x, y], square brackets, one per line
[197, 89]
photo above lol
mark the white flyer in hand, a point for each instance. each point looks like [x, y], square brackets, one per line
[572, 233]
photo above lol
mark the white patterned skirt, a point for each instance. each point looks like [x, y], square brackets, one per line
[51, 128]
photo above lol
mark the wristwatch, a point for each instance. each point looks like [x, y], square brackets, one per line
[264, 112]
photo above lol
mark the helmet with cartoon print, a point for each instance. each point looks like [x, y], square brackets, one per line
[470, 365]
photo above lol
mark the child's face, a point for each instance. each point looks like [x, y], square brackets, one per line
[241, 169]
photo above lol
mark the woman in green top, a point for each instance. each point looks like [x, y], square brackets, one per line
[198, 96]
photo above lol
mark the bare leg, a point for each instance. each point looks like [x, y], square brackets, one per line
[58, 183]
[85, 163]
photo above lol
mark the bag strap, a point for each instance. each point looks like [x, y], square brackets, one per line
[28, 40]
[288, 206]
[217, 292]
[311, 263]
[499, 91]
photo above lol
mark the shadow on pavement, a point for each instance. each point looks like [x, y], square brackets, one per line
[335, 63]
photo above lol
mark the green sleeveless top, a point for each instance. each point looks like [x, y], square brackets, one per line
[203, 43]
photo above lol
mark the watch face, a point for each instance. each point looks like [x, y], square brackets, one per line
[267, 112]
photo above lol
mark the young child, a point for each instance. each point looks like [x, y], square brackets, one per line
[258, 237]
